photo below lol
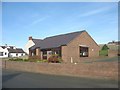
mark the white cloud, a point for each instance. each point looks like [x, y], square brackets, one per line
[96, 11]
[35, 21]
[39, 20]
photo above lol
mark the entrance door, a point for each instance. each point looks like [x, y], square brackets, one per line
[44, 54]
[83, 51]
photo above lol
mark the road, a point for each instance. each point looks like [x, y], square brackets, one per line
[17, 79]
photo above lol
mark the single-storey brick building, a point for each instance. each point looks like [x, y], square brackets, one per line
[72, 46]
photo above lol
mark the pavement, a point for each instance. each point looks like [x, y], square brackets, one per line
[18, 79]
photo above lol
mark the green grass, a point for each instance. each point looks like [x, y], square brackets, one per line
[41, 61]
[27, 60]
[18, 59]
[112, 59]
[103, 53]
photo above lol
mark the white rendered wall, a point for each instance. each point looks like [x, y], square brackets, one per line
[4, 51]
[14, 54]
[29, 44]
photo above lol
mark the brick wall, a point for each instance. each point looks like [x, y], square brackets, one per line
[93, 70]
[72, 49]
[64, 53]
[112, 53]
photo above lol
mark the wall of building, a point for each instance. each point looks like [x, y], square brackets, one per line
[38, 53]
[4, 51]
[29, 44]
[49, 54]
[64, 53]
[14, 54]
[72, 48]
[112, 53]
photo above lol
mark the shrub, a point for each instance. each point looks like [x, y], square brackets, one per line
[33, 60]
[26, 60]
[18, 59]
[105, 47]
[54, 59]
[45, 60]
[38, 61]
[60, 59]
[41, 61]
[103, 53]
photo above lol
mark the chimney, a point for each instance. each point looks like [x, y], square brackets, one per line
[14, 47]
[30, 38]
[5, 45]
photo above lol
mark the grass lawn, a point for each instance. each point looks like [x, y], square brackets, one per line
[112, 59]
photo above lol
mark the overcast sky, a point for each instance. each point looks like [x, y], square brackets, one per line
[40, 20]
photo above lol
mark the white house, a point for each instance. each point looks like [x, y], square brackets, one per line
[10, 51]
[3, 52]
[31, 42]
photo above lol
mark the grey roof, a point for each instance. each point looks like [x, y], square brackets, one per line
[6, 46]
[3, 47]
[17, 50]
[56, 41]
[114, 42]
[37, 41]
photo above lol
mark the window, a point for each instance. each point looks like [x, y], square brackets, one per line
[16, 54]
[50, 52]
[44, 54]
[1, 53]
[83, 51]
[5, 53]
[22, 54]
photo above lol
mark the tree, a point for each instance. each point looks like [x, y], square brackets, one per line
[105, 47]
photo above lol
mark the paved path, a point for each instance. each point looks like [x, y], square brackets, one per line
[16, 79]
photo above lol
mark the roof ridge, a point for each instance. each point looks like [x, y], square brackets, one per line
[57, 40]
[36, 39]
[65, 34]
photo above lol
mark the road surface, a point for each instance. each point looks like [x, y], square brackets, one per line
[17, 79]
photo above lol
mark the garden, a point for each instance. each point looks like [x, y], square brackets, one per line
[51, 59]
[104, 51]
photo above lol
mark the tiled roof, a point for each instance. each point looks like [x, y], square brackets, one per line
[7, 47]
[37, 41]
[17, 50]
[55, 41]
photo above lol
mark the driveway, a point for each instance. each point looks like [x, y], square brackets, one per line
[17, 79]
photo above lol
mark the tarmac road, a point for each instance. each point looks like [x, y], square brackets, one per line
[18, 79]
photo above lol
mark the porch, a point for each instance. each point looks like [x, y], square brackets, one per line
[44, 53]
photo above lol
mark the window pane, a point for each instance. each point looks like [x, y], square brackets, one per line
[1, 53]
[83, 51]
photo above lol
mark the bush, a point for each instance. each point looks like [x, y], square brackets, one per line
[54, 59]
[42, 61]
[26, 60]
[103, 53]
[18, 59]
[105, 47]
[33, 60]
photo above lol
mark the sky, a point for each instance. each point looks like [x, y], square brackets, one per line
[39, 20]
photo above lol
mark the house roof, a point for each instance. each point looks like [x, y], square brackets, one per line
[37, 41]
[17, 50]
[114, 42]
[3, 47]
[6, 47]
[55, 41]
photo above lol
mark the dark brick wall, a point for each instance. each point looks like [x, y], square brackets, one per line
[72, 49]
[92, 70]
